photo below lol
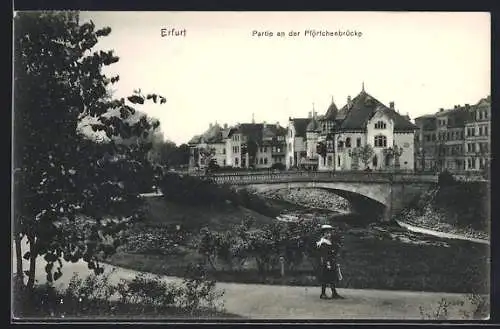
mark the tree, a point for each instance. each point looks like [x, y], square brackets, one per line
[206, 155]
[321, 149]
[251, 148]
[73, 195]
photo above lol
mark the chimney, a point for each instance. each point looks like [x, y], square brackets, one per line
[277, 124]
[264, 124]
[310, 114]
[349, 101]
[225, 126]
[391, 105]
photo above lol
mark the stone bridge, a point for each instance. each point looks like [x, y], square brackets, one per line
[380, 195]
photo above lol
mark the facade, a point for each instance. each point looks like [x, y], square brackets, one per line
[247, 145]
[209, 145]
[477, 136]
[296, 141]
[455, 140]
[363, 135]
[425, 143]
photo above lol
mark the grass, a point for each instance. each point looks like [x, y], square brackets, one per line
[371, 260]
[390, 265]
[160, 211]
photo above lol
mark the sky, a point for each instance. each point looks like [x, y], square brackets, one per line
[219, 70]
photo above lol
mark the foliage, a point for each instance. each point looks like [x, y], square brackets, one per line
[321, 149]
[201, 191]
[365, 153]
[141, 295]
[480, 309]
[278, 166]
[60, 172]
[446, 178]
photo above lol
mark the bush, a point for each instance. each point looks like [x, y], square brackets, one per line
[445, 178]
[278, 166]
[143, 294]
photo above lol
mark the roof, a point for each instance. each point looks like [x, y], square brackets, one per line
[331, 113]
[214, 134]
[363, 107]
[257, 131]
[300, 125]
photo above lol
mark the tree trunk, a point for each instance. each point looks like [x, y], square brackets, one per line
[32, 269]
[19, 260]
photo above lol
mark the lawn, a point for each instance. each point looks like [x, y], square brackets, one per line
[372, 259]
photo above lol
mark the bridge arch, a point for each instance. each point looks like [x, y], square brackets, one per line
[367, 200]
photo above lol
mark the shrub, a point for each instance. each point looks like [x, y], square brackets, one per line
[278, 166]
[445, 178]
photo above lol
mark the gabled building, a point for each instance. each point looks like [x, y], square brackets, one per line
[256, 145]
[209, 145]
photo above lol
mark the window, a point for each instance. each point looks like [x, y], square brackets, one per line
[261, 161]
[224, 162]
[480, 131]
[358, 142]
[348, 142]
[330, 160]
[340, 144]
[427, 138]
[338, 158]
[265, 160]
[236, 161]
[380, 125]
[486, 114]
[224, 151]
[380, 141]
[433, 137]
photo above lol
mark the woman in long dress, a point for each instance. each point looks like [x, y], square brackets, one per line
[329, 272]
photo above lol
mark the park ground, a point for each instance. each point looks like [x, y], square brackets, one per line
[257, 301]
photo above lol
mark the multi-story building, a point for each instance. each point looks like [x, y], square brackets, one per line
[296, 141]
[450, 138]
[477, 136]
[247, 145]
[425, 143]
[211, 145]
[363, 134]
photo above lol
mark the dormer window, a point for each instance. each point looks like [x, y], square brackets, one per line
[380, 125]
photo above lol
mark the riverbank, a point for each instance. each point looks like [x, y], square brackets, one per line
[377, 256]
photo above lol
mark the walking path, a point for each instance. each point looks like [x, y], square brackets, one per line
[257, 301]
[440, 234]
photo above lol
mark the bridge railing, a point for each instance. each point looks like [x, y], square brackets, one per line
[318, 176]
